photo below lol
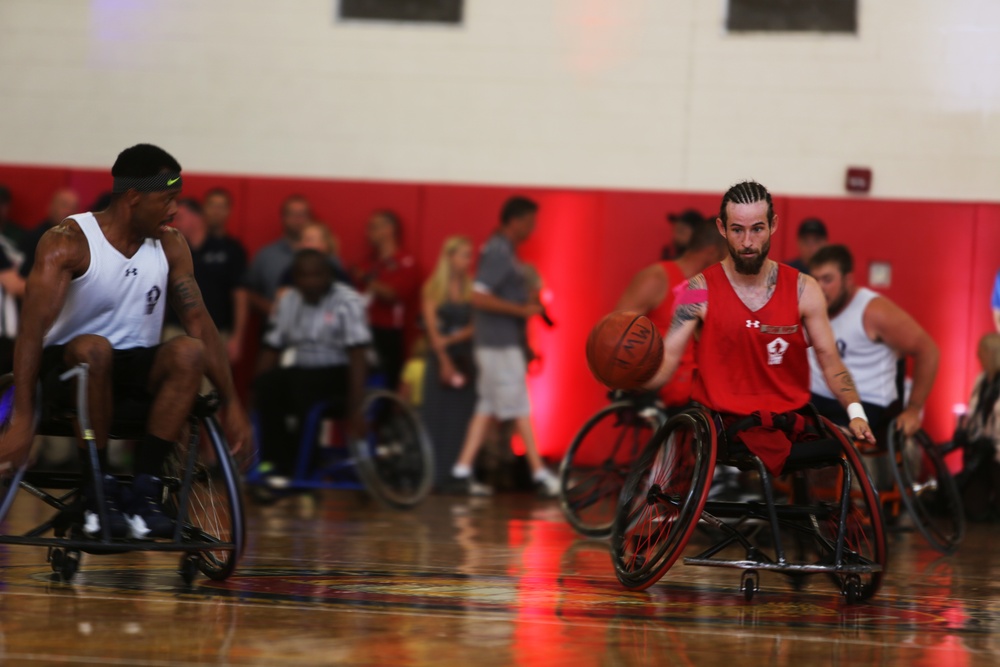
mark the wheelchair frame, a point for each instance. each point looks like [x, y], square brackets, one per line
[363, 464]
[848, 545]
[215, 556]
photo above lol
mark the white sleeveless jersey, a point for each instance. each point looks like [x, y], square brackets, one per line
[119, 298]
[871, 364]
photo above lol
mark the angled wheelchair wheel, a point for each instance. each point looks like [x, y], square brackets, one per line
[10, 480]
[865, 547]
[395, 460]
[927, 489]
[595, 466]
[663, 498]
[204, 468]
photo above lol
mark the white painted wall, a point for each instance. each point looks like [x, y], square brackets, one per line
[648, 94]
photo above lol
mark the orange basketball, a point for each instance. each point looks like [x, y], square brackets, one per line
[624, 350]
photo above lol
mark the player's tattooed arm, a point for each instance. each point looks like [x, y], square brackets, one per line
[692, 304]
[844, 383]
[185, 295]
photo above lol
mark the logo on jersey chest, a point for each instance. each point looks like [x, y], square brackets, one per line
[152, 296]
[131, 272]
[776, 351]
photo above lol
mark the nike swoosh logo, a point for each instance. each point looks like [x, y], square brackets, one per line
[171, 181]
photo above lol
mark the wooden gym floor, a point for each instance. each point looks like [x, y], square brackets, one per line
[483, 582]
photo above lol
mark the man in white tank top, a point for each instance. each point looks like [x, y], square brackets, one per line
[96, 295]
[873, 334]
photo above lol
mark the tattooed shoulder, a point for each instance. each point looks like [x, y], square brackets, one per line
[802, 283]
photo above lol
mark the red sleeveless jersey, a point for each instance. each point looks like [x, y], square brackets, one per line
[678, 391]
[752, 360]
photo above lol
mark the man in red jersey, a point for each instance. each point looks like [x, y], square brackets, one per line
[752, 342]
[653, 291]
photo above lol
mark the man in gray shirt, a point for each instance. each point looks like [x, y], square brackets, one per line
[272, 262]
[501, 308]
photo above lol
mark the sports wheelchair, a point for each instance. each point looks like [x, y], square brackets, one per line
[923, 486]
[598, 460]
[394, 462]
[830, 518]
[201, 489]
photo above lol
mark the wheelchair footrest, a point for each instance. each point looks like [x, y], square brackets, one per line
[800, 568]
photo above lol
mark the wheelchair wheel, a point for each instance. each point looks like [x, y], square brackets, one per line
[595, 466]
[395, 460]
[927, 489]
[662, 500]
[214, 504]
[864, 536]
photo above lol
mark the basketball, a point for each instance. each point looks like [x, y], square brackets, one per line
[624, 350]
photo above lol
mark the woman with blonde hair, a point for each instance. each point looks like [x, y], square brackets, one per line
[449, 395]
[979, 437]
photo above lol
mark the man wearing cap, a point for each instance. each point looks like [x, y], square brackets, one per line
[811, 237]
[97, 295]
[683, 224]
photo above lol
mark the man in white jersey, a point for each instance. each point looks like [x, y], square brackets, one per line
[873, 334]
[96, 295]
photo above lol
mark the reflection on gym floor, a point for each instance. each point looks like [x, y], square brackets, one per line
[335, 578]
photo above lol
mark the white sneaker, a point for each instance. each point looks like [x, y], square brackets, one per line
[547, 483]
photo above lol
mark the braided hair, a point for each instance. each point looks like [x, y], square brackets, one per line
[747, 192]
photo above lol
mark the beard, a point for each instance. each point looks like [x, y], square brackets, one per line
[749, 265]
[837, 305]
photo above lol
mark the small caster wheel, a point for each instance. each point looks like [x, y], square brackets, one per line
[56, 559]
[189, 568]
[69, 564]
[749, 584]
[852, 590]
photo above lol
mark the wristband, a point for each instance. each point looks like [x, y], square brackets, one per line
[855, 411]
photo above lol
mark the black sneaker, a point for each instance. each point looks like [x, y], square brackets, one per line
[145, 515]
[112, 502]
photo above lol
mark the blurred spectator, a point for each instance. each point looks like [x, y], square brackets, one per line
[978, 436]
[390, 280]
[683, 225]
[271, 261]
[63, 204]
[411, 382]
[314, 350]
[11, 289]
[500, 303]
[449, 395]
[810, 238]
[317, 236]
[8, 227]
[225, 263]
[218, 267]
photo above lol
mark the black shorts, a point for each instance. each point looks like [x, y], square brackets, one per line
[130, 370]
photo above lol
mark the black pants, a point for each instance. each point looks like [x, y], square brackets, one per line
[283, 398]
[878, 416]
[390, 345]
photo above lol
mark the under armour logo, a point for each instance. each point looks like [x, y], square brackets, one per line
[131, 272]
[152, 296]
[753, 324]
[776, 351]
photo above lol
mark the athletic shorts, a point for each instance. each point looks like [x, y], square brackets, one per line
[502, 382]
[130, 370]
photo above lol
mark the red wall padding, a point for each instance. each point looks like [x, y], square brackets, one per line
[588, 243]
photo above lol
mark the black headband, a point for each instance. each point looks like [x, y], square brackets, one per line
[168, 180]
